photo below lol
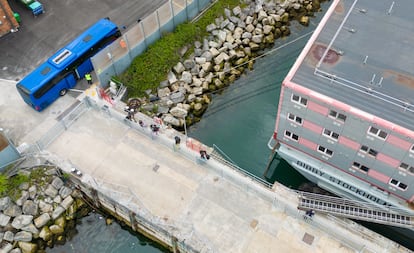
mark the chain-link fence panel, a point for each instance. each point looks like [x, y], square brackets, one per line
[117, 57]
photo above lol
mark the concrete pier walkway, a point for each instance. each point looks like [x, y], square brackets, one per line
[212, 207]
[226, 210]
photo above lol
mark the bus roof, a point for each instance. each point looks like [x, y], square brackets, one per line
[63, 57]
[82, 43]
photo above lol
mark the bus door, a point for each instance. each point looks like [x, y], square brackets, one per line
[71, 79]
[84, 67]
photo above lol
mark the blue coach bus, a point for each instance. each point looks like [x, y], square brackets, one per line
[61, 71]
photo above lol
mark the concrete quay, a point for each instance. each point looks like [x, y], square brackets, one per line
[208, 206]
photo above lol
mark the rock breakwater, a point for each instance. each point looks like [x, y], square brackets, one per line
[234, 41]
[40, 214]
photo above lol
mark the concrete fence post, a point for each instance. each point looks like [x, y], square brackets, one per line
[172, 12]
[145, 36]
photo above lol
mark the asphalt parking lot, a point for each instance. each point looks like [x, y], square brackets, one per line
[39, 37]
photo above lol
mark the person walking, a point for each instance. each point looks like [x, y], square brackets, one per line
[88, 78]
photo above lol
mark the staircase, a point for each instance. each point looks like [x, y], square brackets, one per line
[357, 210]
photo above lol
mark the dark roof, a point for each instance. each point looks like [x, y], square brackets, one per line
[364, 57]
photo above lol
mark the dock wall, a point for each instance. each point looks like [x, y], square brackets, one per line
[177, 235]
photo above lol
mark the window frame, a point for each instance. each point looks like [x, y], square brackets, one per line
[288, 134]
[325, 151]
[377, 133]
[295, 119]
[300, 100]
[337, 116]
[360, 167]
[406, 167]
[369, 151]
[398, 184]
[330, 135]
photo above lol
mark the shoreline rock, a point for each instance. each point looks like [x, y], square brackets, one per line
[39, 218]
[234, 41]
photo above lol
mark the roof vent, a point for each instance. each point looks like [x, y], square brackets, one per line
[62, 56]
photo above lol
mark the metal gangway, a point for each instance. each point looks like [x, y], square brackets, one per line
[357, 210]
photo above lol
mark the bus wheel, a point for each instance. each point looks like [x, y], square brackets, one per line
[63, 92]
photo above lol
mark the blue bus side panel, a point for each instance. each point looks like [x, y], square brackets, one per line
[84, 68]
[66, 83]
[70, 80]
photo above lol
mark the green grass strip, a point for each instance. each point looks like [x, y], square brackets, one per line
[150, 68]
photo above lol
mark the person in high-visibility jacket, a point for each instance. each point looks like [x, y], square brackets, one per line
[88, 78]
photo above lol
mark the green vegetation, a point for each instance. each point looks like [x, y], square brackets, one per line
[151, 67]
[10, 186]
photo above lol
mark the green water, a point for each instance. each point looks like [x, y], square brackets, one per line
[94, 236]
[241, 120]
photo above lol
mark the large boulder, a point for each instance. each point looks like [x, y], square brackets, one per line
[57, 212]
[65, 191]
[30, 208]
[177, 97]
[8, 236]
[169, 119]
[31, 228]
[51, 191]
[57, 183]
[4, 220]
[32, 191]
[4, 203]
[220, 58]
[171, 77]
[164, 92]
[6, 247]
[42, 220]
[189, 64]
[16, 250]
[56, 229]
[45, 233]
[21, 221]
[186, 77]
[27, 247]
[13, 210]
[178, 112]
[45, 207]
[23, 236]
[179, 68]
[67, 202]
[24, 195]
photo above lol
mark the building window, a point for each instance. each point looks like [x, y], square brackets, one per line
[325, 151]
[291, 135]
[407, 167]
[377, 133]
[360, 167]
[398, 184]
[338, 116]
[369, 151]
[294, 118]
[299, 100]
[330, 134]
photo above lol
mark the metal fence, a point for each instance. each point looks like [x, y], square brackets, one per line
[117, 57]
[66, 119]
